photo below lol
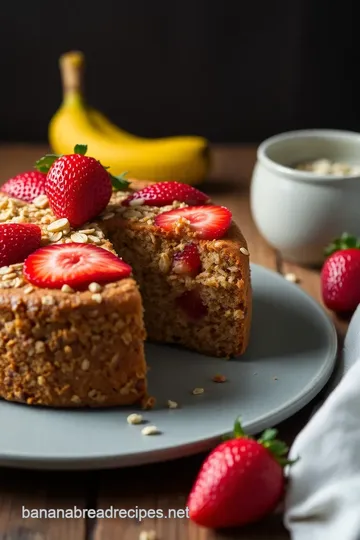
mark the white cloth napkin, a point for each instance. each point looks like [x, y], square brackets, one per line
[323, 495]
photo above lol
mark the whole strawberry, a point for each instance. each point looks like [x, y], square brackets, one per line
[240, 481]
[340, 275]
[78, 187]
[17, 241]
[25, 186]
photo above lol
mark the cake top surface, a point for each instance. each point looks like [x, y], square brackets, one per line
[148, 205]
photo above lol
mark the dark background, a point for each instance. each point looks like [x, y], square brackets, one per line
[233, 71]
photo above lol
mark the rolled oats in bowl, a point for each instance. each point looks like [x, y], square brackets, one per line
[325, 166]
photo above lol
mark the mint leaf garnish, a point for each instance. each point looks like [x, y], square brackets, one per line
[80, 149]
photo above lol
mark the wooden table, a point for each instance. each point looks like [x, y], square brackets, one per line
[161, 486]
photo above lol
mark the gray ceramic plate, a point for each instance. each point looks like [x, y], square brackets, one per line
[290, 358]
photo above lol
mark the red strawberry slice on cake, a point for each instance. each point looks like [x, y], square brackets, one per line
[73, 264]
[208, 222]
[25, 186]
[192, 305]
[165, 193]
[187, 261]
[17, 241]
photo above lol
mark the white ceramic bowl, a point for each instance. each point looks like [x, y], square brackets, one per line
[298, 212]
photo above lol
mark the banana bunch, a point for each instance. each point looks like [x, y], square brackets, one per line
[183, 158]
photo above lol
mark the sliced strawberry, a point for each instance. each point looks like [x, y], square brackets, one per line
[75, 264]
[17, 241]
[208, 222]
[192, 305]
[187, 261]
[164, 193]
[25, 186]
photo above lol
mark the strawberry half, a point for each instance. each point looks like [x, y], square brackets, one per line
[17, 241]
[25, 186]
[78, 187]
[74, 264]
[164, 193]
[240, 481]
[207, 222]
[191, 304]
[187, 261]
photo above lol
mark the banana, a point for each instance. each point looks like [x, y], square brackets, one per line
[183, 158]
[103, 124]
[108, 129]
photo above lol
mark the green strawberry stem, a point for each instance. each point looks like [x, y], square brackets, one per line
[43, 164]
[277, 448]
[119, 183]
[346, 241]
[80, 149]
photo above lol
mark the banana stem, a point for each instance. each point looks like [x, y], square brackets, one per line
[72, 74]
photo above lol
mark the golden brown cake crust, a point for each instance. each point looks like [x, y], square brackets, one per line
[76, 349]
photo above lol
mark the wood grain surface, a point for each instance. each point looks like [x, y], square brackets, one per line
[158, 487]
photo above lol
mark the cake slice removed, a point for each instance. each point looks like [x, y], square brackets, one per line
[79, 349]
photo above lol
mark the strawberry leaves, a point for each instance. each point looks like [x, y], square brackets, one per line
[43, 164]
[119, 183]
[238, 430]
[277, 448]
[268, 440]
[346, 241]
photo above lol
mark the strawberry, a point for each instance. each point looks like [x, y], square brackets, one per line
[25, 186]
[240, 481]
[187, 261]
[164, 193]
[207, 222]
[191, 304]
[78, 187]
[340, 275]
[17, 241]
[74, 264]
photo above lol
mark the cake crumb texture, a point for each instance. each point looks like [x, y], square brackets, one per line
[78, 354]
